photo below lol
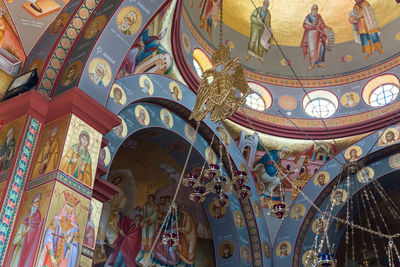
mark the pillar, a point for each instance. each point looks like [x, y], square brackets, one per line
[49, 186]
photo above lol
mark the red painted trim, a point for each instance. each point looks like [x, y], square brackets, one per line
[184, 68]
[104, 190]
[86, 108]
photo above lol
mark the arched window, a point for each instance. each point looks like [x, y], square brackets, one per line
[260, 99]
[201, 61]
[381, 90]
[320, 104]
[383, 95]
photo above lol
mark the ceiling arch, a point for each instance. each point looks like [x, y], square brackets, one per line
[373, 150]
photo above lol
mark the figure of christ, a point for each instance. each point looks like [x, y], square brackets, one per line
[26, 239]
[47, 159]
[314, 38]
[187, 237]
[61, 239]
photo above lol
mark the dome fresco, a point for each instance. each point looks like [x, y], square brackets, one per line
[142, 61]
[343, 52]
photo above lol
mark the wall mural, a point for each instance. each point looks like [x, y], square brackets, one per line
[179, 125]
[50, 147]
[131, 19]
[312, 34]
[71, 69]
[187, 131]
[147, 189]
[66, 218]
[9, 139]
[29, 226]
[81, 143]
[11, 50]
[299, 230]
[147, 54]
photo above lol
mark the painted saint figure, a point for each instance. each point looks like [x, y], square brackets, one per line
[7, 151]
[209, 14]
[47, 159]
[27, 237]
[99, 72]
[260, 25]
[365, 28]
[149, 224]
[314, 38]
[187, 237]
[77, 160]
[127, 22]
[61, 240]
[268, 173]
[89, 237]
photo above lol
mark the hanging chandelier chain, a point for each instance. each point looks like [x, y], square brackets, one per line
[368, 221]
[221, 23]
[174, 198]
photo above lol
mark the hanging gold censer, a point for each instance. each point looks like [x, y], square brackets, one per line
[223, 88]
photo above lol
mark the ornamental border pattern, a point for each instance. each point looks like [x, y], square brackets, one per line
[308, 83]
[72, 183]
[17, 184]
[42, 180]
[60, 53]
[255, 241]
[87, 252]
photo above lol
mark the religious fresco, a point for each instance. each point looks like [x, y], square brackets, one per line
[350, 99]
[388, 136]
[66, 221]
[118, 95]
[71, 73]
[9, 139]
[80, 153]
[335, 31]
[92, 223]
[3, 185]
[29, 226]
[365, 27]
[95, 26]
[147, 183]
[11, 50]
[49, 150]
[248, 235]
[31, 18]
[147, 54]
[99, 72]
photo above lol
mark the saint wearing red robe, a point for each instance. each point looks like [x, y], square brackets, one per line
[26, 239]
[314, 38]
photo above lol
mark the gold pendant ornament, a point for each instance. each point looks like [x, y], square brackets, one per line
[222, 92]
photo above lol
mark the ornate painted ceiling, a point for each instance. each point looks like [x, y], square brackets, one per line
[343, 55]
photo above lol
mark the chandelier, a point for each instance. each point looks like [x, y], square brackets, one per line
[212, 180]
[170, 231]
